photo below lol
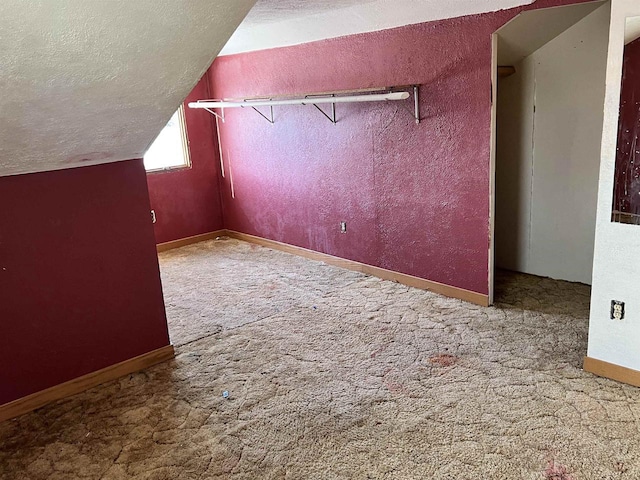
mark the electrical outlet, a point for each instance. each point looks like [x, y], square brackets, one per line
[617, 310]
[153, 216]
[343, 227]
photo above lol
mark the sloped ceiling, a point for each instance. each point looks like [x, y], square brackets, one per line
[84, 82]
[530, 30]
[279, 23]
[268, 11]
[632, 31]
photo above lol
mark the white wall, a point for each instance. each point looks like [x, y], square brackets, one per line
[616, 268]
[514, 163]
[550, 119]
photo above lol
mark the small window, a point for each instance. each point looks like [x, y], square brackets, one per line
[171, 148]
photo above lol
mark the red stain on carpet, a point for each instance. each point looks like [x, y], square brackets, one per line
[443, 360]
[394, 387]
[379, 351]
[556, 471]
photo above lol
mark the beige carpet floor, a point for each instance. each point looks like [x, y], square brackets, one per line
[332, 374]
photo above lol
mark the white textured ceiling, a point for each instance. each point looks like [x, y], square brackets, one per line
[279, 23]
[632, 30]
[268, 11]
[530, 30]
[93, 81]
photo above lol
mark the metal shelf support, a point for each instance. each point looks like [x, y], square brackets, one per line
[367, 95]
[331, 118]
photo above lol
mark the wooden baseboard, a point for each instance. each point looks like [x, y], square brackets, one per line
[40, 399]
[440, 288]
[612, 371]
[183, 242]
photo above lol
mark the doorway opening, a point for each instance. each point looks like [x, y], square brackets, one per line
[549, 87]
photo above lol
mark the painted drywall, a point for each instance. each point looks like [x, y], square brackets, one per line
[627, 187]
[79, 280]
[415, 197]
[514, 163]
[280, 23]
[570, 80]
[187, 200]
[548, 161]
[92, 81]
[616, 267]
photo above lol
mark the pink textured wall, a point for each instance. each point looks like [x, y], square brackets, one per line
[79, 280]
[187, 201]
[415, 197]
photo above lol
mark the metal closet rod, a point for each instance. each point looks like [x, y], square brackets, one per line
[300, 101]
[369, 95]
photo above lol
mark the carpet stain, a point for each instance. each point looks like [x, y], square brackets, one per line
[396, 387]
[377, 352]
[380, 381]
[443, 360]
[620, 467]
[556, 471]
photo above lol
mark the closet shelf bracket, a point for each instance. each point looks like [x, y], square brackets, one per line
[269, 118]
[317, 99]
[331, 118]
[217, 115]
[416, 105]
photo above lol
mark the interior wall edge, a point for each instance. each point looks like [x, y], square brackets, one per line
[405, 279]
[72, 387]
[183, 242]
[410, 280]
[615, 266]
[187, 200]
[217, 149]
[612, 371]
[80, 284]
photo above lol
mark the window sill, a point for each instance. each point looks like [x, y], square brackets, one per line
[169, 169]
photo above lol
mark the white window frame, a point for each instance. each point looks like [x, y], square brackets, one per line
[186, 152]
